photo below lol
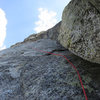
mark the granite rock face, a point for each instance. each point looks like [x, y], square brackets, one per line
[95, 3]
[80, 29]
[28, 74]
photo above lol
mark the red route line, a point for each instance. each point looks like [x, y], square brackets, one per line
[80, 79]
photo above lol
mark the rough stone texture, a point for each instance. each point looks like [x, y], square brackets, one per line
[80, 29]
[96, 4]
[27, 74]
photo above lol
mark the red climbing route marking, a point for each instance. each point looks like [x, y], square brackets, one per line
[80, 79]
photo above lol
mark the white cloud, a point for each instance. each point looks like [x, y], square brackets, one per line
[3, 23]
[47, 19]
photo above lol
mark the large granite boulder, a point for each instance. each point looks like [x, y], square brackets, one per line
[80, 29]
[28, 74]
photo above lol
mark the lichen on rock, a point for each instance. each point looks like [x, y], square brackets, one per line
[80, 30]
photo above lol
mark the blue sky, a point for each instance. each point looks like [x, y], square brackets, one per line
[25, 17]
